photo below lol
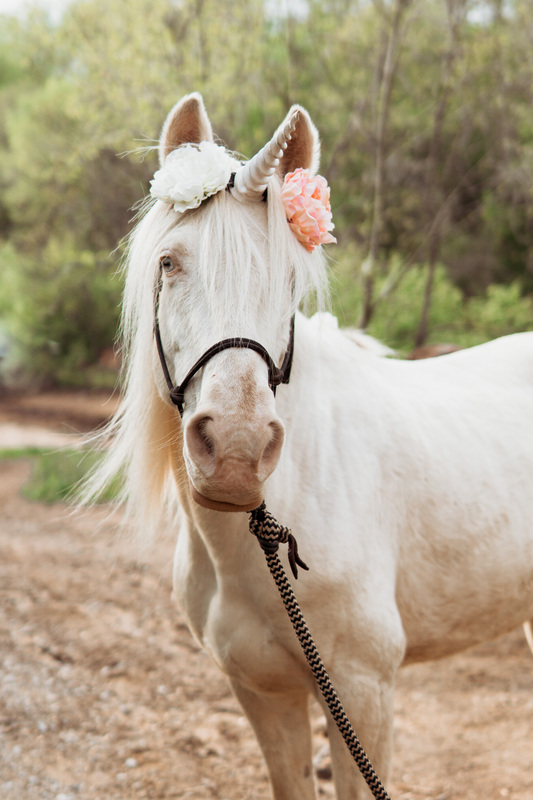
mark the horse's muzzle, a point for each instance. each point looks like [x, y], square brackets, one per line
[228, 461]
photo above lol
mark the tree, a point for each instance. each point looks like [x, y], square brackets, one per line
[423, 109]
[394, 32]
[437, 198]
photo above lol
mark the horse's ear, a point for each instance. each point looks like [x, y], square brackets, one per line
[303, 149]
[187, 122]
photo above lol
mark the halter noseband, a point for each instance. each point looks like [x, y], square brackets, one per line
[276, 375]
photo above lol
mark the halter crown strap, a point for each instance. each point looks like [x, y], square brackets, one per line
[276, 375]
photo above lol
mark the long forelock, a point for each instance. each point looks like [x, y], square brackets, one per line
[240, 257]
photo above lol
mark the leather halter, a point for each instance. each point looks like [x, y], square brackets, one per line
[276, 375]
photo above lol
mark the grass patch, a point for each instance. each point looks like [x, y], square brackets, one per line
[55, 474]
[19, 452]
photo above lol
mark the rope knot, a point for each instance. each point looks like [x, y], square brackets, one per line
[270, 534]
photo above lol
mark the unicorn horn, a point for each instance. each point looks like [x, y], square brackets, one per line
[252, 178]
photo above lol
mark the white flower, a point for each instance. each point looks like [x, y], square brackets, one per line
[191, 173]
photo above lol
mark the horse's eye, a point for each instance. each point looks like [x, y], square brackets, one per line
[167, 264]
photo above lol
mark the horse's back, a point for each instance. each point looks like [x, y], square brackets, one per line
[507, 360]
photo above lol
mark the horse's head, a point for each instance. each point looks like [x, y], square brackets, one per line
[226, 265]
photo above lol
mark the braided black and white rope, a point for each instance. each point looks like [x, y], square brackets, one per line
[270, 534]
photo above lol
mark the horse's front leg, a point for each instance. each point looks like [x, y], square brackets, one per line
[368, 702]
[281, 724]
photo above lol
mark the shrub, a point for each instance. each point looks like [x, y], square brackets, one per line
[59, 310]
[55, 475]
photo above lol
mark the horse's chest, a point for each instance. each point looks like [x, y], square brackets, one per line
[247, 635]
[250, 653]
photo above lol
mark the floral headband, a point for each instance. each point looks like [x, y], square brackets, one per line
[193, 172]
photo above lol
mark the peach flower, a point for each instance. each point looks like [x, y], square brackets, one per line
[307, 206]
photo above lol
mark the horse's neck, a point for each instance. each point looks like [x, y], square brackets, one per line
[326, 361]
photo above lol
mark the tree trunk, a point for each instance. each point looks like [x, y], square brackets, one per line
[383, 102]
[435, 202]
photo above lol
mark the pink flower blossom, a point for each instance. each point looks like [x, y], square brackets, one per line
[307, 206]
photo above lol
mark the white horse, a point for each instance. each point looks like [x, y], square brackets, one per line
[408, 485]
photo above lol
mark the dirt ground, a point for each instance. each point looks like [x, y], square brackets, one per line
[104, 695]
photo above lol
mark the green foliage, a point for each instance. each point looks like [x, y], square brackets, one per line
[9, 454]
[55, 475]
[453, 319]
[396, 318]
[60, 309]
[501, 311]
[458, 152]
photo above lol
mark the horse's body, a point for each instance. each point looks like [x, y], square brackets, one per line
[408, 485]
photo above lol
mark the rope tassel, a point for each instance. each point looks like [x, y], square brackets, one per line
[270, 534]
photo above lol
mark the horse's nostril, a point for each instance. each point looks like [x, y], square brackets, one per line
[276, 440]
[204, 436]
[200, 442]
[272, 451]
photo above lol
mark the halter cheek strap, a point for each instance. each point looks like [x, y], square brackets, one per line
[276, 375]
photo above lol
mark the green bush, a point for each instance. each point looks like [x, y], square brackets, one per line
[59, 311]
[502, 310]
[55, 475]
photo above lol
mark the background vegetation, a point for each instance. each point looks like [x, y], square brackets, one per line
[424, 107]
[56, 475]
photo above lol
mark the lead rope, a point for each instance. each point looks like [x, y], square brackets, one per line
[270, 534]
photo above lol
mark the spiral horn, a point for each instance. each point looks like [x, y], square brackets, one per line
[252, 178]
